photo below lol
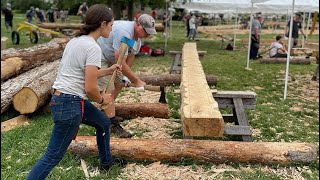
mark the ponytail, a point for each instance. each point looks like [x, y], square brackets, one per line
[86, 29]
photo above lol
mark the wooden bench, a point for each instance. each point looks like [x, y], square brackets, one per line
[238, 101]
[176, 63]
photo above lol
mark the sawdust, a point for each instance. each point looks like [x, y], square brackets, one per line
[154, 128]
[130, 95]
[160, 171]
[304, 89]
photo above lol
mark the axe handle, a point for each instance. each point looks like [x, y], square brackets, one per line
[147, 87]
[123, 49]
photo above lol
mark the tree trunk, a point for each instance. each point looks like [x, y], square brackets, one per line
[130, 10]
[133, 110]
[17, 61]
[34, 95]
[172, 79]
[300, 60]
[60, 25]
[174, 150]
[14, 122]
[12, 86]
[116, 8]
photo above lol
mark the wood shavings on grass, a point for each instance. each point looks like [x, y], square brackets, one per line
[130, 95]
[158, 171]
[304, 88]
[152, 128]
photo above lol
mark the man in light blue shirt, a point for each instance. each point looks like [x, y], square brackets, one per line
[137, 30]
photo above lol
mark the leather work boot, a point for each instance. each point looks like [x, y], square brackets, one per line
[116, 128]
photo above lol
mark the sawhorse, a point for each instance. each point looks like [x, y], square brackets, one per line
[238, 101]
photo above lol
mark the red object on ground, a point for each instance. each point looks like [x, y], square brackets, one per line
[145, 50]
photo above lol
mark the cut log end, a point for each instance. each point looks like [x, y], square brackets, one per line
[25, 101]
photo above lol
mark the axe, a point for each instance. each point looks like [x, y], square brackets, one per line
[161, 89]
[125, 43]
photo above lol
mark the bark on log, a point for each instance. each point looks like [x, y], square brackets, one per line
[14, 122]
[200, 113]
[34, 95]
[133, 110]
[17, 61]
[174, 150]
[12, 86]
[300, 60]
[159, 27]
[60, 25]
[172, 79]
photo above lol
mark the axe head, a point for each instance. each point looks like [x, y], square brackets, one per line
[131, 43]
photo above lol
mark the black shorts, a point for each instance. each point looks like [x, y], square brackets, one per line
[9, 23]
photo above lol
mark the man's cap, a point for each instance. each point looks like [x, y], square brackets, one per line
[148, 23]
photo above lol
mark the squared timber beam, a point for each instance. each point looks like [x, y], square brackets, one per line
[199, 111]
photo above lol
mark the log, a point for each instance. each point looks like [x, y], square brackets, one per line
[14, 122]
[159, 27]
[60, 25]
[172, 79]
[295, 60]
[174, 150]
[34, 95]
[17, 61]
[12, 86]
[301, 51]
[200, 113]
[134, 110]
[312, 45]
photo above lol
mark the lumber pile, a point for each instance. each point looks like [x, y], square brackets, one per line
[294, 60]
[174, 150]
[16, 61]
[200, 114]
[12, 86]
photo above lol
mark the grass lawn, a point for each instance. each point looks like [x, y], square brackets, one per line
[295, 119]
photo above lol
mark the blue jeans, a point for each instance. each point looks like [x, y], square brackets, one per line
[67, 114]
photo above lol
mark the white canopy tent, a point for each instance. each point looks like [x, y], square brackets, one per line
[265, 6]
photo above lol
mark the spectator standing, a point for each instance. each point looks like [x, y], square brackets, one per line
[30, 14]
[296, 27]
[255, 37]
[8, 16]
[186, 19]
[192, 26]
[62, 16]
[82, 11]
[40, 16]
[154, 14]
[50, 15]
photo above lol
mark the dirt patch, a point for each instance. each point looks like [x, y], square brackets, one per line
[304, 89]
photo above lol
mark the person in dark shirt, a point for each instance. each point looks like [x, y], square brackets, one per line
[30, 14]
[8, 16]
[82, 11]
[40, 15]
[50, 15]
[296, 27]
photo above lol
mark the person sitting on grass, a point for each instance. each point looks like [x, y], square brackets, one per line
[277, 49]
[76, 82]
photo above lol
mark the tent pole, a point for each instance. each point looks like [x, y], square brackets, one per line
[308, 25]
[235, 30]
[289, 51]
[303, 25]
[249, 43]
[165, 28]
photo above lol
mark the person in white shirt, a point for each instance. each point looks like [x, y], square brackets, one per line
[277, 48]
[192, 26]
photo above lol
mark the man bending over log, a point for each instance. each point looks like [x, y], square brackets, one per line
[137, 30]
[277, 49]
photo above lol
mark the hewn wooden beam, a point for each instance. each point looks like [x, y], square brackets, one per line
[200, 114]
[14, 122]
